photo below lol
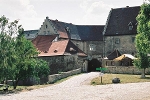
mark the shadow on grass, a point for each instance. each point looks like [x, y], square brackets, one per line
[146, 78]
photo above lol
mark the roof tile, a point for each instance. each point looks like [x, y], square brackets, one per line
[119, 20]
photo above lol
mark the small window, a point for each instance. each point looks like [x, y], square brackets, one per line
[92, 47]
[45, 32]
[130, 26]
[46, 26]
[48, 32]
[113, 63]
[28, 34]
[68, 29]
[133, 39]
[117, 40]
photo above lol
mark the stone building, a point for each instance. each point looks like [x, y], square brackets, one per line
[62, 55]
[59, 42]
[120, 30]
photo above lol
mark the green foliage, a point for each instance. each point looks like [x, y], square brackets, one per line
[143, 37]
[18, 54]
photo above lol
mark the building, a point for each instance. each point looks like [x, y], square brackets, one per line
[82, 44]
[120, 30]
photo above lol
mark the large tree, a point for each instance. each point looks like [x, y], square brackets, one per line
[18, 54]
[7, 47]
[143, 38]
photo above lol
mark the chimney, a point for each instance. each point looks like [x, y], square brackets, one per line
[47, 17]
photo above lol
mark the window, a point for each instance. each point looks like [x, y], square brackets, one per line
[117, 40]
[133, 39]
[48, 32]
[68, 29]
[46, 26]
[45, 32]
[130, 26]
[92, 47]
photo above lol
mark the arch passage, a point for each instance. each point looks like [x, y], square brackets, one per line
[93, 64]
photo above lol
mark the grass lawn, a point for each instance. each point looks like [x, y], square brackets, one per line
[124, 78]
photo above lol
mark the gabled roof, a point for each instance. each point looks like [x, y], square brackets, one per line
[43, 42]
[90, 32]
[30, 34]
[114, 55]
[79, 32]
[60, 48]
[60, 27]
[119, 19]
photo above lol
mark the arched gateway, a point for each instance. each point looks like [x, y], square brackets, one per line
[93, 64]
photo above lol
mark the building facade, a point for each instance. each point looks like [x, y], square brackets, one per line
[85, 42]
[120, 30]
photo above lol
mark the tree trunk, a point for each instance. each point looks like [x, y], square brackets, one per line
[15, 83]
[143, 73]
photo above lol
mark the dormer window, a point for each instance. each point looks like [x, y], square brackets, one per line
[68, 29]
[55, 51]
[130, 26]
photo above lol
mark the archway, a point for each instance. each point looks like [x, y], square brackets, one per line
[93, 64]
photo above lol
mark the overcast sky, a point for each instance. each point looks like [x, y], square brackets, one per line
[31, 13]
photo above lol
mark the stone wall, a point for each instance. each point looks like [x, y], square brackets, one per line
[124, 43]
[49, 79]
[85, 47]
[125, 70]
[55, 77]
[61, 63]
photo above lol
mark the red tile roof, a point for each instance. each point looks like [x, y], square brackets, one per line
[43, 42]
[64, 47]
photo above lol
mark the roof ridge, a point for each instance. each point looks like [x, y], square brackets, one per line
[125, 7]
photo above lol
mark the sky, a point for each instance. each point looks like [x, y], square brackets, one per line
[31, 13]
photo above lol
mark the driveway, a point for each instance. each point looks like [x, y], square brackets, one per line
[78, 88]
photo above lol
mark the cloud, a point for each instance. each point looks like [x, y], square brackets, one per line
[95, 10]
[17, 9]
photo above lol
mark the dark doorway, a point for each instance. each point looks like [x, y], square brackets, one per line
[93, 64]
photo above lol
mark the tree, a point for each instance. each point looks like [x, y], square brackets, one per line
[7, 41]
[18, 54]
[143, 38]
[27, 65]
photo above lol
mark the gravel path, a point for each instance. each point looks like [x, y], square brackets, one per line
[77, 88]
